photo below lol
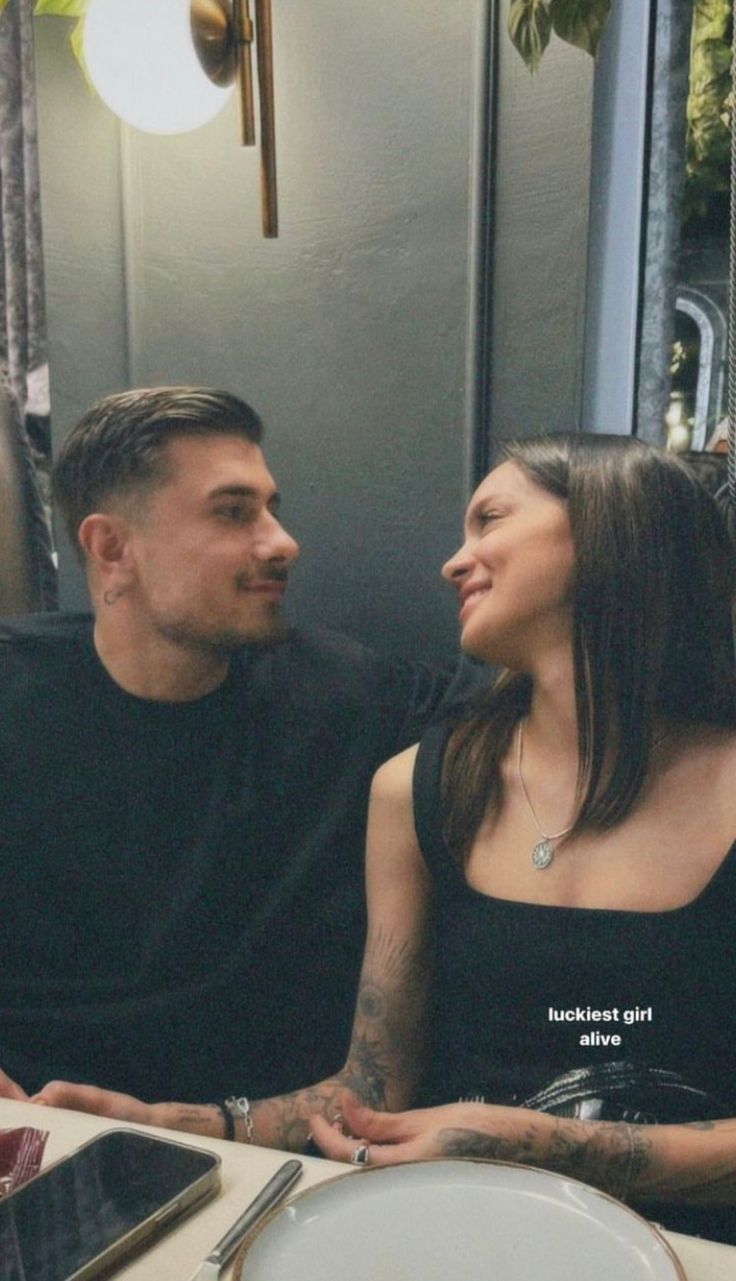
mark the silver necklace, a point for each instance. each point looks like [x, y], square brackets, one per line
[544, 851]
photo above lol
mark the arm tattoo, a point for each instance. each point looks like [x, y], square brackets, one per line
[612, 1156]
[385, 1046]
[399, 963]
[282, 1122]
[188, 1115]
[615, 1156]
[490, 1147]
[367, 1070]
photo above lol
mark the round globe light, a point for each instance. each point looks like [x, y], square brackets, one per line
[141, 60]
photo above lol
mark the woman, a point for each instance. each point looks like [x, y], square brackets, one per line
[555, 871]
[574, 830]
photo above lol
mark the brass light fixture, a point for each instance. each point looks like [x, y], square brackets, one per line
[223, 34]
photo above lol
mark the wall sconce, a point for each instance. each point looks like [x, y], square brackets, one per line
[167, 66]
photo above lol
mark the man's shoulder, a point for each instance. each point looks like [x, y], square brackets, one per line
[310, 655]
[323, 674]
[322, 645]
[40, 634]
[39, 655]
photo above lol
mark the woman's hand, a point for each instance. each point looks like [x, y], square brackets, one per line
[455, 1129]
[694, 1163]
[124, 1107]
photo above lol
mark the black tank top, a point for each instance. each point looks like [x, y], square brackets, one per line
[505, 972]
[523, 992]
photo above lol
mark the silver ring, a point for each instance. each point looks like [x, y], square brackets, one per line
[360, 1154]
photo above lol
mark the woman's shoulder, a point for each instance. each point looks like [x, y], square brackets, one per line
[393, 779]
[700, 759]
[700, 739]
[716, 743]
[397, 775]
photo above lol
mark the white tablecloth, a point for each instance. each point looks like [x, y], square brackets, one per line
[244, 1171]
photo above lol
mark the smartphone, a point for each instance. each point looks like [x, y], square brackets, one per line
[90, 1209]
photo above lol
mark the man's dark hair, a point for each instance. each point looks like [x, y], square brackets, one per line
[118, 448]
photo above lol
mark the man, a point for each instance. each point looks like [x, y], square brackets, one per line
[184, 779]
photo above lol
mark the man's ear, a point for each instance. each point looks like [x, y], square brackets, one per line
[104, 539]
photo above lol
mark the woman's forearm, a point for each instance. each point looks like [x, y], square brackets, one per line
[369, 1076]
[688, 1163]
[694, 1163]
[383, 1059]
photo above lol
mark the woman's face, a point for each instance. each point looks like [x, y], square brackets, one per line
[514, 572]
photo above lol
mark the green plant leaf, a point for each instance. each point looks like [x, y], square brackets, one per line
[68, 9]
[580, 22]
[3, 4]
[708, 150]
[77, 38]
[64, 8]
[711, 19]
[530, 26]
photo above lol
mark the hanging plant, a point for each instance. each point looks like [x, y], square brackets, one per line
[530, 23]
[708, 148]
[64, 9]
[577, 22]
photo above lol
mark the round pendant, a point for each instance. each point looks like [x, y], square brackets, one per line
[542, 855]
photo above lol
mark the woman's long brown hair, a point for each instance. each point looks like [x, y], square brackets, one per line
[652, 628]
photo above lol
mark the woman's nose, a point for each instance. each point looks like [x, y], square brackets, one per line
[457, 566]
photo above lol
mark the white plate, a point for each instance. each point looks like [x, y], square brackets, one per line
[456, 1221]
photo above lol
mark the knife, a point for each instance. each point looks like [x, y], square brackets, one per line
[269, 1195]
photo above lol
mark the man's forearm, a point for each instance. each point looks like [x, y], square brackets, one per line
[382, 1064]
[687, 1163]
[280, 1122]
[283, 1121]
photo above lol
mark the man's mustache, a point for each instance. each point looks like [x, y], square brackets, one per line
[246, 580]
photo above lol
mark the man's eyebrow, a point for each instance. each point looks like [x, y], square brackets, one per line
[243, 491]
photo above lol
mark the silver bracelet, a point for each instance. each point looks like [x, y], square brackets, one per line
[239, 1110]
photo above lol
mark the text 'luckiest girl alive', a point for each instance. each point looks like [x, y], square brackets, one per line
[587, 1014]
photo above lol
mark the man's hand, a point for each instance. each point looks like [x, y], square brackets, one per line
[123, 1107]
[9, 1089]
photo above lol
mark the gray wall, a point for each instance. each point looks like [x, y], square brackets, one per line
[542, 165]
[353, 333]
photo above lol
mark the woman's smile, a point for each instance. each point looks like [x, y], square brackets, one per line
[469, 598]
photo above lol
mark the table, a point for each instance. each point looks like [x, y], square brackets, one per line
[244, 1171]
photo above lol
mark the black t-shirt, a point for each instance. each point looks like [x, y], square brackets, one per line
[182, 883]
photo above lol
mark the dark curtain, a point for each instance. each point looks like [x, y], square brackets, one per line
[23, 350]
